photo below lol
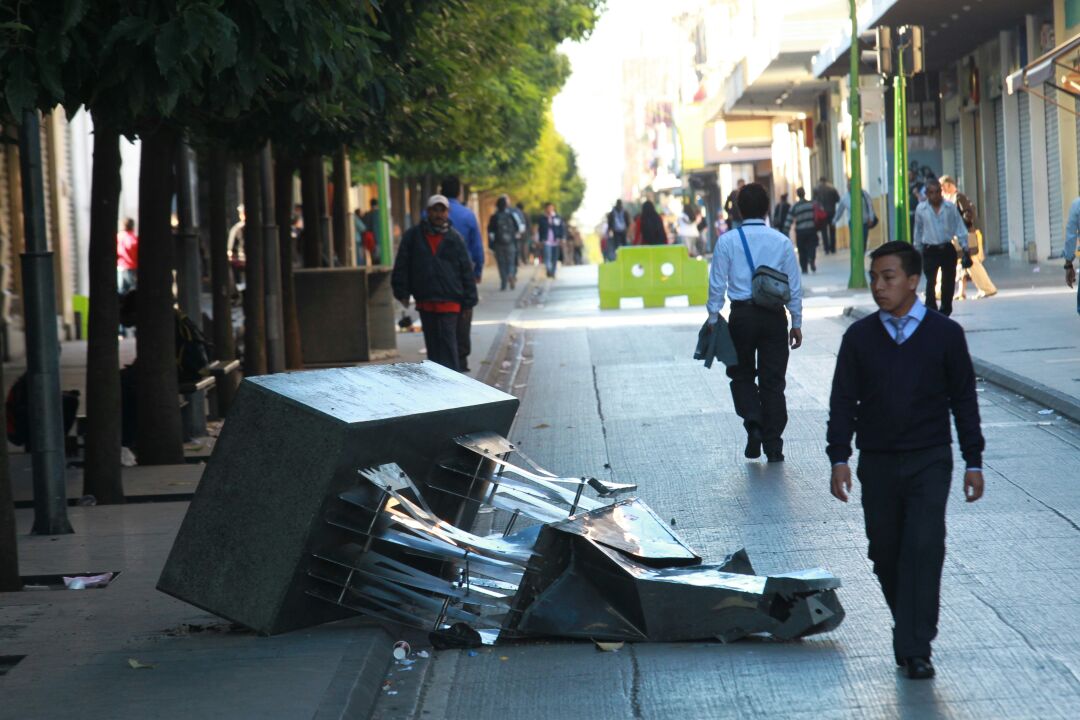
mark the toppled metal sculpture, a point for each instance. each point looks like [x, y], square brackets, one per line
[599, 569]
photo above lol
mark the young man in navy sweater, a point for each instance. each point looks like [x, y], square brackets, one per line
[898, 374]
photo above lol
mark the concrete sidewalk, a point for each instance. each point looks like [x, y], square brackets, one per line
[68, 653]
[616, 394]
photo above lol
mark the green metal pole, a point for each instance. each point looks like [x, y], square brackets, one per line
[858, 264]
[903, 219]
[386, 239]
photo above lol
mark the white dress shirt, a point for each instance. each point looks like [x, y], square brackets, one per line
[914, 316]
[938, 228]
[730, 274]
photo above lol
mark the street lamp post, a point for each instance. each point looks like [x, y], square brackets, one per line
[858, 271]
[900, 156]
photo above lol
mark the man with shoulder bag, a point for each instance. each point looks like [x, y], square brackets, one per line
[755, 267]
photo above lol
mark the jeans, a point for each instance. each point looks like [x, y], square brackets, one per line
[440, 336]
[551, 259]
[507, 262]
[807, 244]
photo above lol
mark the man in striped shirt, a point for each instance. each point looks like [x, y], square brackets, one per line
[806, 234]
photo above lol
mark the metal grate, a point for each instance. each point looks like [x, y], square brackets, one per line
[1025, 169]
[999, 150]
[1053, 174]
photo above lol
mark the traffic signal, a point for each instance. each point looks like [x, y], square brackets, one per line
[880, 54]
[911, 45]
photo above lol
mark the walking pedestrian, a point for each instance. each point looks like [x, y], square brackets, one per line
[869, 217]
[127, 258]
[731, 206]
[781, 217]
[1072, 248]
[502, 239]
[433, 267]
[937, 224]
[977, 272]
[522, 254]
[551, 232]
[687, 229]
[898, 373]
[828, 198]
[618, 224]
[359, 228]
[464, 221]
[652, 225]
[806, 234]
[759, 329]
[371, 220]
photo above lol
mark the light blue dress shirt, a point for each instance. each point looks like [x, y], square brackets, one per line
[1072, 230]
[939, 228]
[914, 316]
[730, 273]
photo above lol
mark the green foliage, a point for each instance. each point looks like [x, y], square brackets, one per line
[549, 173]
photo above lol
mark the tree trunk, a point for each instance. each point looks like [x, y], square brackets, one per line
[220, 272]
[101, 473]
[275, 331]
[415, 200]
[399, 208]
[283, 191]
[326, 242]
[160, 436]
[342, 226]
[254, 273]
[9, 550]
[309, 197]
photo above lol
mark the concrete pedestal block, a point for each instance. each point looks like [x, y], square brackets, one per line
[292, 443]
[346, 314]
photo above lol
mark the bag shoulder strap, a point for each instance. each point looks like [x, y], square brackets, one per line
[746, 250]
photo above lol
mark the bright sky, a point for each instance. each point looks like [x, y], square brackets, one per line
[588, 111]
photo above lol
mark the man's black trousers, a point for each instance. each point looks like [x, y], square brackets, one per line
[440, 336]
[807, 244]
[828, 237]
[903, 498]
[943, 258]
[761, 343]
[464, 339]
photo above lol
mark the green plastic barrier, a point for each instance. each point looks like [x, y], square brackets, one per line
[653, 273]
[80, 304]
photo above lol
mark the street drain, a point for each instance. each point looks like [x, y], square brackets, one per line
[7, 662]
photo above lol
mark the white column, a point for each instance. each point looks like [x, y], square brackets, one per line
[1040, 188]
[1011, 173]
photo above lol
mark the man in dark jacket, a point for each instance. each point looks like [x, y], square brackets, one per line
[433, 266]
[828, 197]
[502, 239]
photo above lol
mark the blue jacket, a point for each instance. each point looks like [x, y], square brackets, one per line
[464, 221]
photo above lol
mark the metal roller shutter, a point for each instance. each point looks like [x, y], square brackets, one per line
[1025, 170]
[1053, 174]
[958, 149]
[999, 150]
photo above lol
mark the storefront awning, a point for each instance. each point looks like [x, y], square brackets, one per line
[1060, 68]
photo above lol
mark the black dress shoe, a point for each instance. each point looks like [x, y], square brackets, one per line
[753, 444]
[918, 668]
[774, 456]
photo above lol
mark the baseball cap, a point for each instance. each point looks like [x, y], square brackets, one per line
[438, 200]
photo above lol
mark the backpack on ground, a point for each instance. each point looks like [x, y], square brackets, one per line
[192, 350]
[769, 288]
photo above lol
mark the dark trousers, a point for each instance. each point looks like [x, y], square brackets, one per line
[903, 498]
[943, 258]
[464, 341]
[504, 258]
[441, 337]
[761, 343]
[828, 237]
[807, 244]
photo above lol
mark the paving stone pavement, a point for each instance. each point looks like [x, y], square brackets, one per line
[616, 394]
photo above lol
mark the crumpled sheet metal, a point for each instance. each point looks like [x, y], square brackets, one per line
[594, 568]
